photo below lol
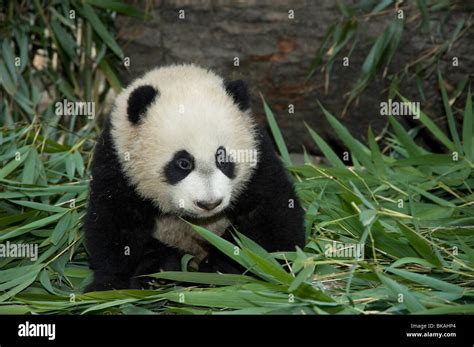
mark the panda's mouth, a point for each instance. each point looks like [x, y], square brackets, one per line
[205, 220]
[203, 216]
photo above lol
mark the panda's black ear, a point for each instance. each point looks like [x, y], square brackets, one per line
[139, 100]
[239, 91]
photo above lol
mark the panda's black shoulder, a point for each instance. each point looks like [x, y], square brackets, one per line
[110, 191]
[269, 180]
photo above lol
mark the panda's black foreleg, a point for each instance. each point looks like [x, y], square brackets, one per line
[113, 257]
[216, 261]
[274, 226]
[158, 257]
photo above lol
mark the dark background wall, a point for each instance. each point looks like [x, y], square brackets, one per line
[275, 54]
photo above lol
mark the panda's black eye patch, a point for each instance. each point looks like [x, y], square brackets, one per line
[225, 163]
[179, 167]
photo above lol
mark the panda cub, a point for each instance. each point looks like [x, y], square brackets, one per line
[181, 143]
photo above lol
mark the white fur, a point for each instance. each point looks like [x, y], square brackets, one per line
[193, 112]
[174, 232]
[199, 186]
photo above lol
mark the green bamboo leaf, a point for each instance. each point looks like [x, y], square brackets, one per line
[31, 226]
[358, 150]
[22, 41]
[7, 82]
[18, 284]
[46, 281]
[136, 310]
[70, 166]
[110, 75]
[39, 206]
[269, 268]
[246, 243]
[457, 309]
[25, 103]
[432, 197]
[65, 40]
[10, 219]
[307, 158]
[61, 228]
[433, 128]
[427, 159]
[203, 278]
[12, 273]
[88, 13]
[302, 276]
[467, 250]
[402, 135]
[420, 244]
[320, 52]
[377, 158]
[9, 59]
[411, 260]
[225, 247]
[468, 128]
[12, 165]
[381, 5]
[79, 163]
[449, 113]
[427, 281]
[285, 156]
[14, 309]
[425, 18]
[109, 304]
[326, 149]
[367, 217]
[28, 174]
[382, 51]
[409, 300]
[229, 298]
[119, 7]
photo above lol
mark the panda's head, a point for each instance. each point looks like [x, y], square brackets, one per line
[186, 139]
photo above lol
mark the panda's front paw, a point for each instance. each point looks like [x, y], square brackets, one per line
[150, 266]
[105, 282]
[220, 263]
[141, 282]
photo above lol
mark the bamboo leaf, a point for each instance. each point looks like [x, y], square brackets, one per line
[359, 151]
[119, 7]
[285, 156]
[468, 128]
[326, 149]
[427, 281]
[420, 244]
[39, 206]
[433, 128]
[449, 113]
[88, 13]
[204, 278]
[409, 300]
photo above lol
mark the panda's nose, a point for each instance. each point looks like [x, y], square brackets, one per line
[208, 205]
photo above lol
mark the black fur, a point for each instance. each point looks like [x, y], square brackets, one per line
[239, 92]
[225, 163]
[138, 102]
[118, 218]
[118, 223]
